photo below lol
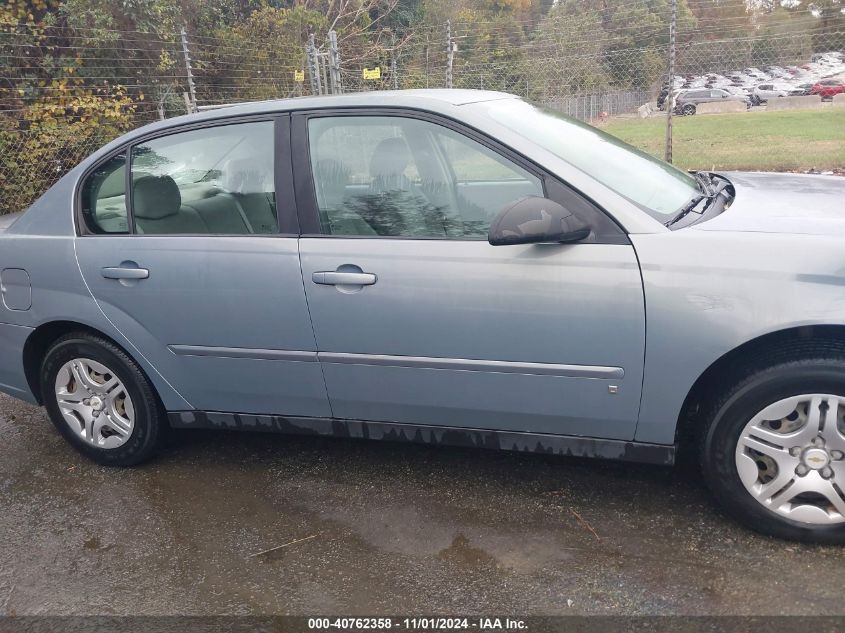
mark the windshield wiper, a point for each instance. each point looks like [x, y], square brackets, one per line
[705, 182]
[709, 192]
[686, 209]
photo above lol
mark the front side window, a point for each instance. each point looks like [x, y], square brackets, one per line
[104, 197]
[401, 177]
[208, 181]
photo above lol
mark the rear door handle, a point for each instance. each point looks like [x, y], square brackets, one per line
[119, 272]
[335, 278]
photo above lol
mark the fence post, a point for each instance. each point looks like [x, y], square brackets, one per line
[393, 76]
[334, 64]
[426, 60]
[450, 53]
[191, 87]
[670, 101]
[313, 67]
[324, 72]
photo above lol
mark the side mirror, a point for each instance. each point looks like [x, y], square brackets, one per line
[536, 220]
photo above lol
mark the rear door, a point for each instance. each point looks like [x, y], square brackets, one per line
[420, 320]
[201, 271]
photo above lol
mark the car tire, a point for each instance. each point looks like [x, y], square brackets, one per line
[775, 492]
[688, 110]
[100, 400]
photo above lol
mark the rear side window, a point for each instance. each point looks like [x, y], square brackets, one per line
[217, 180]
[104, 197]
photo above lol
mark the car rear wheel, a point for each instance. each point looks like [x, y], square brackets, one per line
[688, 109]
[100, 400]
[774, 450]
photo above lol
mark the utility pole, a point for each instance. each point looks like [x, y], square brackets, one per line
[334, 64]
[192, 91]
[313, 67]
[670, 99]
[450, 53]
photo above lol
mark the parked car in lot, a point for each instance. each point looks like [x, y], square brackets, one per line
[778, 72]
[817, 57]
[764, 92]
[455, 267]
[827, 88]
[688, 101]
[740, 92]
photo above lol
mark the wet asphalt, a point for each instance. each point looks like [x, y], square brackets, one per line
[376, 528]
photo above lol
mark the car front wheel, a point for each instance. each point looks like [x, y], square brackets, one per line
[774, 450]
[100, 400]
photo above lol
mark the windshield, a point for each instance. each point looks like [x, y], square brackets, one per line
[655, 186]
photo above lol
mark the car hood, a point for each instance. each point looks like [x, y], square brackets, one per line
[783, 203]
[8, 220]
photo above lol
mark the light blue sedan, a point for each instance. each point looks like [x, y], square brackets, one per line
[453, 267]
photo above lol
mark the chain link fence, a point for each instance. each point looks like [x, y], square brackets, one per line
[65, 92]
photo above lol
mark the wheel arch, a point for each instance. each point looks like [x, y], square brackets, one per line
[767, 348]
[40, 340]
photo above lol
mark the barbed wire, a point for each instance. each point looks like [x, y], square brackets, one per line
[66, 91]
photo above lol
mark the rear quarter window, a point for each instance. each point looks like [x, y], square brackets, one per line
[103, 197]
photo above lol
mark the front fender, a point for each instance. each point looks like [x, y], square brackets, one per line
[707, 293]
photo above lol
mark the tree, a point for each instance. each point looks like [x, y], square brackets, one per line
[571, 55]
[259, 55]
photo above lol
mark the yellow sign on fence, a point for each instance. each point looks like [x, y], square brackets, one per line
[374, 73]
[299, 75]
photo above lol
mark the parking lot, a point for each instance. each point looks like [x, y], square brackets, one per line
[376, 528]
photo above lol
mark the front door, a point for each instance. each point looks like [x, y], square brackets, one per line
[198, 276]
[418, 319]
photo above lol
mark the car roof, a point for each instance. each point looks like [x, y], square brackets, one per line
[424, 99]
[431, 100]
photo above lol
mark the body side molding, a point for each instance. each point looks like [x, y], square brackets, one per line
[465, 364]
[243, 352]
[418, 362]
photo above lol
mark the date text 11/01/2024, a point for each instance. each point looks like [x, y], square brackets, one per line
[424, 623]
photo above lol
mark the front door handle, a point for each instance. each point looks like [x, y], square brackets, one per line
[119, 272]
[336, 278]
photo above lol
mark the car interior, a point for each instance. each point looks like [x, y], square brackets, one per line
[223, 186]
[399, 178]
[408, 178]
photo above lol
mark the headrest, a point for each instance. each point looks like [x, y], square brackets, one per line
[155, 197]
[390, 157]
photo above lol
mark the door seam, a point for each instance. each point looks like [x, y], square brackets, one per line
[311, 320]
